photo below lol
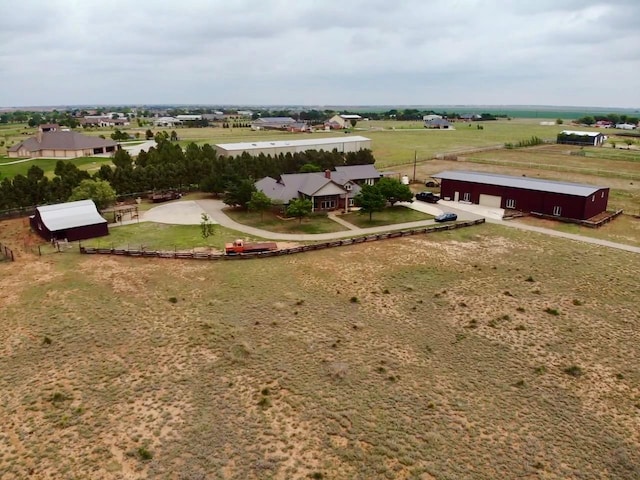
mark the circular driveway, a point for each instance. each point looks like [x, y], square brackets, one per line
[185, 212]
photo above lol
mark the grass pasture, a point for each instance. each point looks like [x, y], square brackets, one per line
[317, 223]
[90, 164]
[389, 216]
[384, 360]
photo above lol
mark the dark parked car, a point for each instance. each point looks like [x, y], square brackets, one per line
[446, 217]
[427, 197]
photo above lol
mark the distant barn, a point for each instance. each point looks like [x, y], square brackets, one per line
[573, 137]
[560, 199]
[71, 221]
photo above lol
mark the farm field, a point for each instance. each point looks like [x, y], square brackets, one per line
[384, 360]
[48, 165]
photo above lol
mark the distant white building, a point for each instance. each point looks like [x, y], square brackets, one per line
[626, 126]
[166, 122]
[188, 118]
[341, 144]
[427, 118]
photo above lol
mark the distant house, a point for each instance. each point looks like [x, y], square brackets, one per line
[49, 127]
[603, 124]
[104, 121]
[426, 118]
[327, 190]
[342, 121]
[559, 199]
[63, 144]
[166, 122]
[437, 123]
[71, 221]
[470, 117]
[626, 126]
[298, 127]
[573, 137]
[272, 123]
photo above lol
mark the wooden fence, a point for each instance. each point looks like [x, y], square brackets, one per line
[7, 253]
[276, 253]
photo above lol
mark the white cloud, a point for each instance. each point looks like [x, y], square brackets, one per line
[320, 52]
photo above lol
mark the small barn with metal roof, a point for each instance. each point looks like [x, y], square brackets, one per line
[574, 137]
[71, 221]
[548, 197]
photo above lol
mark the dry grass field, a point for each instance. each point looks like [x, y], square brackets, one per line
[480, 353]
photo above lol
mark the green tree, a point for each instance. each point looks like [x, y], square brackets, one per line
[206, 225]
[259, 203]
[394, 190]
[353, 122]
[239, 193]
[309, 168]
[174, 136]
[99, 191]
[559, 121]
[148, 134]
[370, 200]
[299, 208]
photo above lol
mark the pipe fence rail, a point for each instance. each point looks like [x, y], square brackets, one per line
[7, 253]
[142, 253]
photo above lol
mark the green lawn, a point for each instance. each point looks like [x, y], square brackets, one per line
[90, 164]
[388, 216]
[157, 236]
[318, 223]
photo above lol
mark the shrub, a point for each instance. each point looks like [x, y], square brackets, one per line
[354, 300]
[46, 341]
[144, 454]
[529, 279]
[520, 327]
[264, 402]
[265, 391]
[552, 311]
[540, 370]
[573, 370]
[577, 302]
[59, 397]
[386, 291]
[520, 309]
[173, 300]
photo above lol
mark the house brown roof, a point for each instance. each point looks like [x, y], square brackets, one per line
[62, 141]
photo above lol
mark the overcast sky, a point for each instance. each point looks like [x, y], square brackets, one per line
[320, 52]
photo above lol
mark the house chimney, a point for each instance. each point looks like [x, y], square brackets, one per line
[39, 135]
[327, 174]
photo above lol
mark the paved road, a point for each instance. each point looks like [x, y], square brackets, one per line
[214, 209]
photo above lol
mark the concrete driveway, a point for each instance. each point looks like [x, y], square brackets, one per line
[186, 212]
[441, 207]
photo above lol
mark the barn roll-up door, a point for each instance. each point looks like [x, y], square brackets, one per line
[490, 200]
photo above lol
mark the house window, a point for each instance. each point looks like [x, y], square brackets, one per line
[602, 195]
[593, 198]
[369, 181]
[347, 186]
[511, 203]
[327, 204]
[351, 203]
[466, 197]
[557, 210]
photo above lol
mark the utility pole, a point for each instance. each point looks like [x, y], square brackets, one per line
[415, 160]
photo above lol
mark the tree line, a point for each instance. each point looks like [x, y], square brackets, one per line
[167, 166]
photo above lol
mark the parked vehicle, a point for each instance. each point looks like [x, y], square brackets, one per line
[240, 246]
[428, 197]
[446, 217]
